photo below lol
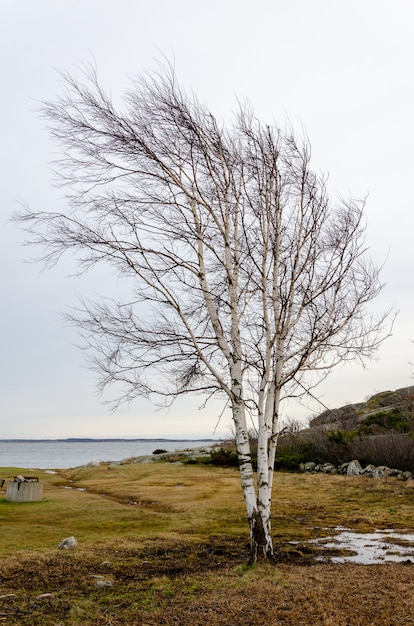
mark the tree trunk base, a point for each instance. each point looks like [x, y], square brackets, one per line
[260, 540]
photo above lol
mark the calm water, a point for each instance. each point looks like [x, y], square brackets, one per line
[63, 454]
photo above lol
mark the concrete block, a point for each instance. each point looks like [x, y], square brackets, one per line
[24, 491]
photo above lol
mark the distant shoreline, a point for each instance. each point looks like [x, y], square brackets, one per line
[104, 439]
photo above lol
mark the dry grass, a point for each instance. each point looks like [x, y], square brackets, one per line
[173, 541]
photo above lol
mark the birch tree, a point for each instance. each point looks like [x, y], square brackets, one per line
[248, 280]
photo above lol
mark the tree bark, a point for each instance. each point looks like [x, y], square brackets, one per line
[258, 513]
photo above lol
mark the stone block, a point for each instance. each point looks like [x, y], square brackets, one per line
[24, 491]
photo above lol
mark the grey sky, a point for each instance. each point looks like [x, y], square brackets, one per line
[342, 71]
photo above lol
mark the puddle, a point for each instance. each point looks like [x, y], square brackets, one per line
[367, 548]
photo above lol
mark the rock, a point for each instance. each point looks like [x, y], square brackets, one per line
[68, 544]
[309, 467]
[101, 584]
[382, 471]
[395, 472]
[354, 468]
[328, 468]
[368, 471]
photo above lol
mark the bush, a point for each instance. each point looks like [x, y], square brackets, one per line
[224, 457]
[292, 450]
[392, 419]
[390, 448]
[395, 450]
[288, 460]
[341, 436]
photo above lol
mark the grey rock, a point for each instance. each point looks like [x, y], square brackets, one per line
[328, 468]
[68, 544]
[101, 584]
[354, 468]
[342, 469]
[309, 467]
[368, 471]
[381, 471]
[407, 475]
[395, 472]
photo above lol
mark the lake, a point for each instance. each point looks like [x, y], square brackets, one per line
[64, 453]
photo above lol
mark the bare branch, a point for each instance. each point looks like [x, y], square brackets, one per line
[247, 279]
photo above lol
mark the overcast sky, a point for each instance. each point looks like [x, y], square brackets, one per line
[341, 70]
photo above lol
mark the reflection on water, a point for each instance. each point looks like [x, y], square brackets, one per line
[368, 548]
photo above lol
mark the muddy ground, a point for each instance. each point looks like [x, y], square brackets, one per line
[200, 584]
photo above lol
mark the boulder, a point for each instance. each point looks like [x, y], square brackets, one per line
[354, 468]
[342, 469]
[328, 468]
[369, 471]
[68, 544]
[382, 471]
[309, 467]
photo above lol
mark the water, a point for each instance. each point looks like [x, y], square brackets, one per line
[369, 548]
[62, 454]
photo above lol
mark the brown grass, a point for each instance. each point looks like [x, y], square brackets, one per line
[172, 539]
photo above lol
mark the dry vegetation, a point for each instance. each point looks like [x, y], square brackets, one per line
[172, 539]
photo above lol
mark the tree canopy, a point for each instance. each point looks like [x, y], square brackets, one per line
[256, 282]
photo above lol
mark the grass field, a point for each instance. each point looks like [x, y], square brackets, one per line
[165, 543]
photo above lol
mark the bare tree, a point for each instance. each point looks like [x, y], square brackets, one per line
[255, 283]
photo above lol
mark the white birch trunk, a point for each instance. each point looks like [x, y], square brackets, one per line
[258, 518]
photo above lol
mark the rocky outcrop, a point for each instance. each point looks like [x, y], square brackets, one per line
[354, 468]
[398, 403]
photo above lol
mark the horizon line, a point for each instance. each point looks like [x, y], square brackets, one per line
[80, 439]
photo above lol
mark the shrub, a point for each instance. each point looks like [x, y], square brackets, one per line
[392, 419]
[290, 460]
[341, 436]
[396, 450]
[224, 457]
[292, 450]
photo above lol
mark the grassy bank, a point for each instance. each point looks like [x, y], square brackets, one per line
[170, 543]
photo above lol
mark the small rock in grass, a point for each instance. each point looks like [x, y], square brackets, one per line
[101, 584]
[68, 544]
